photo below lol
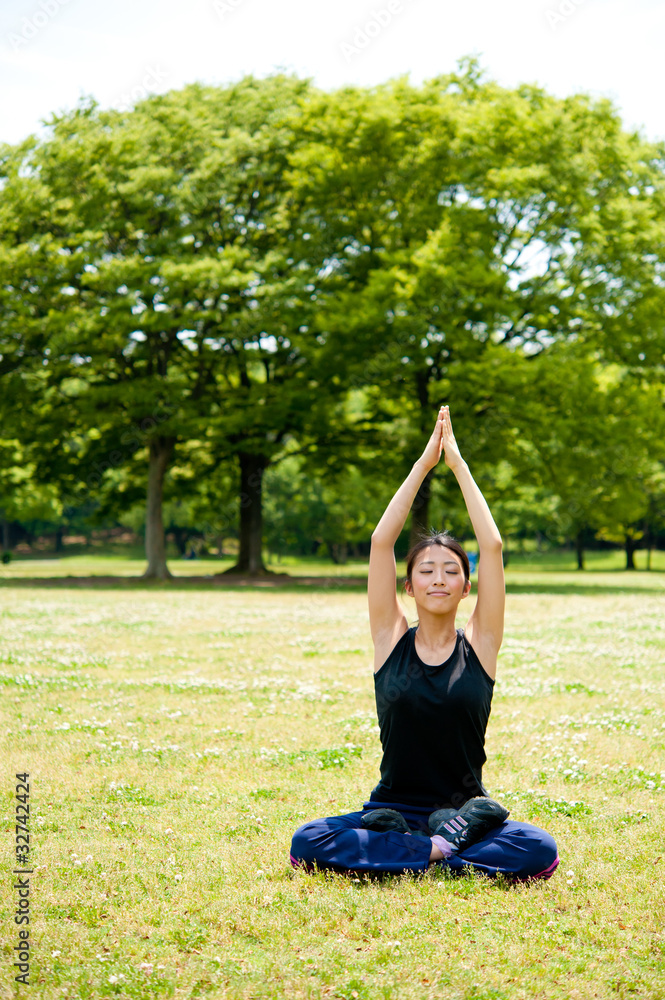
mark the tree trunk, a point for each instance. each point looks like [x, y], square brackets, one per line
[161, 452]
[250, 559]
[6, 537]
[420, 510]
[58, 539]
[338, 552]
[630, 546]
[579, 548]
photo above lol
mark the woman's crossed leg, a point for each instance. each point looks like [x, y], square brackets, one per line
[516, 850]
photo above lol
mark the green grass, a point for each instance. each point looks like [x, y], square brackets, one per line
[175, 739]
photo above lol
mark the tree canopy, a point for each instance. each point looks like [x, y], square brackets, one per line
[223, 280]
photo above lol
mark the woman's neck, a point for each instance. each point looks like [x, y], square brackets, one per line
[436, 631]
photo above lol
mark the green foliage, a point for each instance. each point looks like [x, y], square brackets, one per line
[591, 437]
[266, 276]
[300, 510]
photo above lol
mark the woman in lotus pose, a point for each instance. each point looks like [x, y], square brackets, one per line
[433, 685]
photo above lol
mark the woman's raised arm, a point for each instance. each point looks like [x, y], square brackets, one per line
[387, 620]
[390, 526]
[485, 626]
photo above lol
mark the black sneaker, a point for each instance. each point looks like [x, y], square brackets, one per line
[468, 824]
[384, 820]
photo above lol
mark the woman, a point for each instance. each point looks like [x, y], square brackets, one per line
[433, 685]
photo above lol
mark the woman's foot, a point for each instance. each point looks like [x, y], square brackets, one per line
[440, 849]
[384, 820]
[463, 827]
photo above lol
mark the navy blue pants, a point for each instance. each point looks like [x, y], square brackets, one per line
[518, 850]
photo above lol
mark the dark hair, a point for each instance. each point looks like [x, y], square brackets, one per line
[437, 538]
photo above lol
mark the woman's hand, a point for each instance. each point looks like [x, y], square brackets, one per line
[453, 457]
[442, 439]
[434, 446]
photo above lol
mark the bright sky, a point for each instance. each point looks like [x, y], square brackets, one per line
[54, 51]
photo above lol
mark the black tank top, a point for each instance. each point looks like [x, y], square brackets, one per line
[432, 721]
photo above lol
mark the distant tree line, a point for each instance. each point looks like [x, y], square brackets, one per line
[234, 311]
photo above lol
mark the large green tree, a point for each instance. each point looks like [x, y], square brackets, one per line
[211, 272]
[459, 217]
[183, 310]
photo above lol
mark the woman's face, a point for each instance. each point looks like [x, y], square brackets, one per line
[437, 580]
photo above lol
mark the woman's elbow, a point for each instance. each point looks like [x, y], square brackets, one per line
[380, 538]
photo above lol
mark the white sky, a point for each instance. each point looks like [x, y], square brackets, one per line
[54, 51]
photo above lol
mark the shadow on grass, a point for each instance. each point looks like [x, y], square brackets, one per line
[281, 582]
[588, 583]
[467, 881]
[585, 586]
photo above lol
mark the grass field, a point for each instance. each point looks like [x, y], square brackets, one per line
[175, 737]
